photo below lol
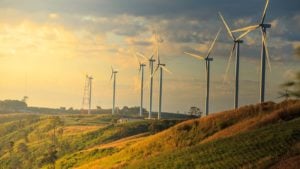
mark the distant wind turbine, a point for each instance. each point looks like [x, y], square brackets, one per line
[207, 64]
[151, 64]
[264, 51]
[161, 67]
[113, 76]
[141, 72]
[236, 46]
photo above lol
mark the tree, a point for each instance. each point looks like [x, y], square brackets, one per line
[49, 157]
[12, 105]
[292, 88]
[25, 98]
[297, 51]
[195, 111]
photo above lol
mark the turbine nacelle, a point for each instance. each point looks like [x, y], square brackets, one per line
[152, 60]
[239, 41]
[209, 59]
[265, 25]
[113, 72]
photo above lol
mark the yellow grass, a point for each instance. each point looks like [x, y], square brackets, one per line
[196, 131]
[256, 122]
[73, 130]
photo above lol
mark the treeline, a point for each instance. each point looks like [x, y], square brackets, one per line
[12, 106]
[17, 106]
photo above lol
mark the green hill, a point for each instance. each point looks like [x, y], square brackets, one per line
[36, 141]
[254, 136]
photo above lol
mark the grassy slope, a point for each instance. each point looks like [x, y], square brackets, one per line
[91, 141]
[201, 131]
[107, 135]
[81, 133]
[239, 151]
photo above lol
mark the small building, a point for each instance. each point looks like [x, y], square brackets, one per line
[126, 120]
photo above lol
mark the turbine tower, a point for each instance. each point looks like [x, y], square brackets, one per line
[87, 95]
[113, 76]
[141, 72]
[236, 47]
[207, 59]
[264, 50]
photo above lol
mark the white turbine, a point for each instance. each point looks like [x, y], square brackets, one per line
[113, 76]
[151, 64]
[141, 72]
[207, 63]
[236, 46]
[264, 51]
[161, 67]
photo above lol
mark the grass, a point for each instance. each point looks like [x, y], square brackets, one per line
[255, 136]
[79, 158]
[234, 152]
[194, 132]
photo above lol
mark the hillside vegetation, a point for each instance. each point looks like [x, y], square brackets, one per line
[255, 136]
[38, 141]
[214, 141]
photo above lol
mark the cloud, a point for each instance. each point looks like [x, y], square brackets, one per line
[53, 15]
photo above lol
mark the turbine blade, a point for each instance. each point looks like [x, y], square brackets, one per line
[229, 63]
[158, 58]
[243, 34]
[194, 55]
[253, 27]
[165, 69]
[142, 55]
[152, 56]
[264, 37]
[154, 71]
[112, 74]
[157, 49]
[213, 43]
[137, 58]
[206, 69]
[112, 70]
[226, 26]
[280, 97]
[265, 11]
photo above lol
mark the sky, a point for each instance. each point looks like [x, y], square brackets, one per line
[48, 46]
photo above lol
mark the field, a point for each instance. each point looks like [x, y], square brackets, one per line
[255, 136]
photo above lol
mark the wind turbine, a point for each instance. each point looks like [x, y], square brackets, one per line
[141, 71]
[151, 64]
[236, 47]
[162, 68]
[113, 76]
[264, 50]
[207, 64]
